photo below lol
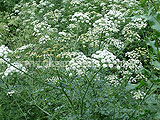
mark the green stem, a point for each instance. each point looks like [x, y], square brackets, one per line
[157, 46]
[20, 109]
[142, 99]
[37, 105]
[89, 83]
[64, 92]
[154, 4]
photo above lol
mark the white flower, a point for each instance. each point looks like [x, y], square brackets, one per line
[103, 60]
[10, 70]
[138, 95]
[4, 50]
[70, 74]
[108, 61]
[118, 67]
[25, 47]
[11, 92]
[81, 63]
[62, 33]
[110, 65]
[104, 65]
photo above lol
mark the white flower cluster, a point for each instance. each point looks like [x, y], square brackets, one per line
[113, 80]
[55, 15]
[44, 39]
[76, 1]
[107, 24]
[138, 23]
[69, 54]
[137, 78]
[24, 47]
[132, 64]
[113, 13]
[11, 93]
[62, 33]
[52, 80]
[40, 27]
[43, 3]
[4, 51]
[132, 55]
[129, 34]
[71, 26]
[80, 17]
[130, 28]
[10, 70]
[138, 53]
[89, 39]
[138, 95]
[107, 59]
[81, 63]
[115, 42]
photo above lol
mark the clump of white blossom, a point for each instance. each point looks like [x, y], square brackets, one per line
[138, 94]
[52, 79]
[76, 1]
[129, 30]
[106, 24]
[24, 47]
[89, 39]
[44, 39]
[138, 53]
[81, 64]
[10, 93]
[13, 69]
[4, 51]
[113, 80]
[107, 59]
[80, 17]
[115, 42]
[137, 78]
[69, 54]
[133, 65]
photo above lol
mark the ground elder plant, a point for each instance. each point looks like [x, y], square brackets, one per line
[80, 60]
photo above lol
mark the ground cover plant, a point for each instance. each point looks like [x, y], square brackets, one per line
[80, 60]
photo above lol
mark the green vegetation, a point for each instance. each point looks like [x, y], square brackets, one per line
[79, 60]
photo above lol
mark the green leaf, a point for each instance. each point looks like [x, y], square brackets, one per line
[157, 116]
[2, 26]
[130, 86]
[152, 44]
[156, 27]
[156, 64]
[156, 22]
[142, 82]
[151, 99]
[143, 2]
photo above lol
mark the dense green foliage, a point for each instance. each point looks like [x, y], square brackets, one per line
[79, 60]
